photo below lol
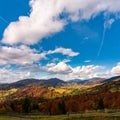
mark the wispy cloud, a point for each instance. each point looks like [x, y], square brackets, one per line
[4, 20]
[64, 51]
[107, 25]
[87, 61]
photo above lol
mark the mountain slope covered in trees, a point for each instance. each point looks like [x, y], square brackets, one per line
[46, 100]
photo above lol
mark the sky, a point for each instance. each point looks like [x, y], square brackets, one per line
[66, 39]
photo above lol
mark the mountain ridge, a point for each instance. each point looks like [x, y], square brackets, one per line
[94, 80]
[55, 82]
[37, 82]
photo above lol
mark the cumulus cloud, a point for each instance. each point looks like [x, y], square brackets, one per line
[64, 51]
[86, 72]
[21, 55]
[45, 18]
[9, 75]
[62, 69]
[115, 71]
[82, 72]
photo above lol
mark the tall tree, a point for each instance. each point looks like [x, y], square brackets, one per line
[62, 107]
[100, 105]
[26, 105]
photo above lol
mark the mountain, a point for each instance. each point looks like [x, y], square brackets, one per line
[111, 85]
[34, 91]
[55, 82]
[78, 81]
[88, 81]
[95, 80]
[112, 79]
[26, 82]
[48, 99]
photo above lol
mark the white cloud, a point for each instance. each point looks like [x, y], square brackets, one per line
[64, 51]
[66, 72]
[21, 55]
[108, 23]
[61, 68]
[44, 19]
[85, 72]
[87, 61]
[8, 75]
[115, 71]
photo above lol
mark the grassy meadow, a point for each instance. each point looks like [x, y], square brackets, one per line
[82, 116]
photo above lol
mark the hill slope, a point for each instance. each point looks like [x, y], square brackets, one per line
[112, 85]
[112, 79]
[26, 82]
[43, 97]
[34, 91]
[88, 81]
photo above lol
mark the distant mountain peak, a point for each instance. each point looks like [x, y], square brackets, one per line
[87, 81]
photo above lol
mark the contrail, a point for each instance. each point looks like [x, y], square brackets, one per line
[4, 20]
[107, 25]
[102, 42]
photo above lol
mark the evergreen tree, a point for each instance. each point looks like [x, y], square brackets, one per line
[26, 105]
[62, 107]
[12, 106]
[100, 105]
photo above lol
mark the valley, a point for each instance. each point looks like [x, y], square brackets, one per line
[61, 97]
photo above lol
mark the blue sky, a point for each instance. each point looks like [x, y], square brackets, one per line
[65, 39]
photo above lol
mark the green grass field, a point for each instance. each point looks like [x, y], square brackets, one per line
[85, 116]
